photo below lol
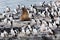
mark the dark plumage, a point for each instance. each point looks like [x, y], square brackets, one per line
[52, 17]
[7, 30]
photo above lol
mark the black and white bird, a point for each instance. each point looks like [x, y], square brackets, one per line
[18, 8]
[54, 26]
[12, 32]
[7, 30]
[43, 14]
[22, 33]
[48, 14]
[27, 31]
[5, 33]
[29, 26]
[55, 14]
[58, 13]
[44, 21]
[50, 25]
[51, 16]
[8, 9]
[39, 13]
[5, 20]
[15, 11]
[2, 33]
[33, 21]
[34, 32]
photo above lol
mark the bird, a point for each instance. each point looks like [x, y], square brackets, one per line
[55, 13]
[33, 21]
[23, 32]
[3, 14]
[56, 8]
[54, 26]
[34, 31]
[49, 31]
[50, 20]
[2, 33]
[45, 22]
[51, 16]
[5, 33]
[38, 23]
[20, 29]
[31, 8]
[9, 23]
[6, 29]
[18, 9]
[5, 20]
[11, 18]
[49, 4]
[52, 13]
[46, 9]
[43, 14]
[30, 15]
[12, 32]
[7, 9]
[27, 31]
[58, 13]
[50, 25]
[29, 26]
[34, 10]
[16, 29]
[39, 13]
[14, 11]
[48, 14]
[57, 21]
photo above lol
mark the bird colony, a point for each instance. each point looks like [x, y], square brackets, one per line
[35, 20]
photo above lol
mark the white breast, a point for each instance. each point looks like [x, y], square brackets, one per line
[55, 13]
[30, 15]
[2, 34]
[23, 31]
[34, 10]
[27, 31]
[43, 29]
[15, 11]
[7, 9]
[12, 32]
[49, 30]
[29, 27]
[43, 15]
[57, 21]
[59, 13]
[31, 8]
[50, 25]
[5, 32]
[34, 32]
[54, 25]
[39, 13]
[5, 20]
